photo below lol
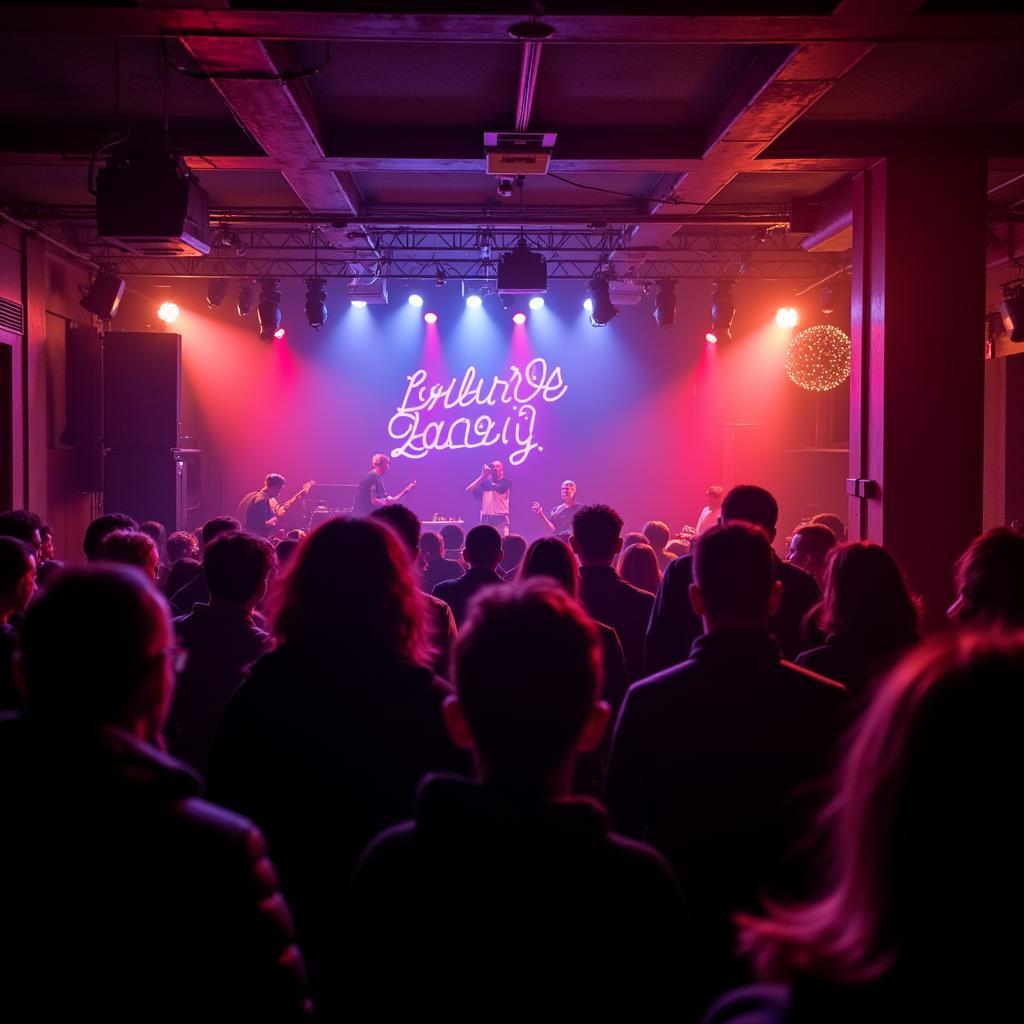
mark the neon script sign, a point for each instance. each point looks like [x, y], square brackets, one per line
[421, 426]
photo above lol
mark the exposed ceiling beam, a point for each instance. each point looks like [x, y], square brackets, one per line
[528, 69]
[883, 24]
[870, 141]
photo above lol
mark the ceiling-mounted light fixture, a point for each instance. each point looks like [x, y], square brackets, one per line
[245, 299]
[722, 312]
[168, 312]
[268, 312]
[316, 302]
[441, 277]
[602, 311]
[665, 304]
[787, 316]
[216, 292]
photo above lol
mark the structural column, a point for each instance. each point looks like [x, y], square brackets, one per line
[917, 383]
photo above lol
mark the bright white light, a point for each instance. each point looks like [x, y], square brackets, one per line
[430, 318]
[415, 300]
[787, 316]
[279, 333]
[588, 305]
[359, 303]
[519, 318]
[474, 302]
[168, 312]
[536, 302]
[711, 338]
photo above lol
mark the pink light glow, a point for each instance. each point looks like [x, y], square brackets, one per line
[519, 318]
[430, 318]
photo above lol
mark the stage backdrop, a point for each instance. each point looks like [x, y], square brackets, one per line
[641, 417]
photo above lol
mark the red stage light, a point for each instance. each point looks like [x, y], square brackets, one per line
[279, 333]
[430, 318]
[519, 318]
[712, 338]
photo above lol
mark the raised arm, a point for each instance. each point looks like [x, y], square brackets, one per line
[539, 509]
[484, 475]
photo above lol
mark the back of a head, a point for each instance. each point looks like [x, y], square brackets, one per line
[751, 504]
[88, 644]
[350, 585]
[21, 524]
[151, 528]
[273, 480]
[285, 551]
[513, 547]
[129, 547]
[639, 566]
[236, 566]
[15, 565]
[596, 529]
[183, 572]
[181, 544]
[216, 526]
[403, 521]
[552, 558]
[431, 546]
[483, 547]
[635, 537]
[100, 527]
[526, 708]
[657, 534]
[735, 569]
[453, 537]
[989, 578]
[816, 540]
[833, 522]
[865, 596]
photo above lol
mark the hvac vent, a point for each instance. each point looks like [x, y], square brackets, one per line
[518, 152]
[12, 316]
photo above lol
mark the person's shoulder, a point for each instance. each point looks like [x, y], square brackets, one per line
[661, 686]
[634, 594]
[386, 852]
[678, 570]
[813, 682]
[795, 578]
[753, 1004]
[646, 864]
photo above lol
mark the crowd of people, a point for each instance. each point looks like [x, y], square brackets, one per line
[369, 772]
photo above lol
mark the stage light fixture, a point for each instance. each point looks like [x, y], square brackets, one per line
[415, 300]
[519, 318]
[168, 312]
[358, 303]
[104, 296]
[245, 300]
[441, 277]
[216, 292]
[316, 302]
[268, 312]
[827, 300]
[588, 305]
[1012, 309]
[665, 304]
[430, 318]
[602, 311]
[722, 312]
[536, 302]
[711, 338]
[474, 301]
[787, 316]
[279, 334]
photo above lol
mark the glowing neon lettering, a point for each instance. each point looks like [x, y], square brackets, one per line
[520, 390]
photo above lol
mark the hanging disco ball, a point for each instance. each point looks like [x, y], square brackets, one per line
[818, 358]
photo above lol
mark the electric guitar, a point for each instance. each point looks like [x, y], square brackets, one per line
[282, 509]
[403, 492]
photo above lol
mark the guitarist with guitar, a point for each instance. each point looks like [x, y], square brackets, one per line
[260, 512]
[372, 492]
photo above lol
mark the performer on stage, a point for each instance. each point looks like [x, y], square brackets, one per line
[559, 519]
[492, 489]
[372, 493]
[260, 512]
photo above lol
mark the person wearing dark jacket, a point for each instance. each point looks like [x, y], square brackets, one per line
[325, 742]
[483, 553]
[714, 761]
[127, 897]
[596, 539]
[674, 625]
[196, 590]
[222, 640]
[507, 888]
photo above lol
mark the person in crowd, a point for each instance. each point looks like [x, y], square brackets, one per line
[709, 513]
[493, 489]
[509, 877]
[713, 761]
[182, 572]
[285, 551]
[454, 541]
[638, 565]
[809, 549]
[47, 563]
[185, 599]
[221, 639]
[675, 625]
[989, 579]
[156, 530]
[483, 553]
[324, 743]
[912, 922]
[443, 631]
[131, 547]
[603, 592]
[436, 568]
[559, 519]
[658, 534]
[513, 547]
[833, 522]
[17, 585]
[677, 547]
[100, 527]
[24, 526]
[552, 558]
[295, 534]
[868, 615]
[134, 899]
[181, 544]
[634, 537]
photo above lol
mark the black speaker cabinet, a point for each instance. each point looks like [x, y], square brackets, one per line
[83, 412]
[141, 390]
[146, 485]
